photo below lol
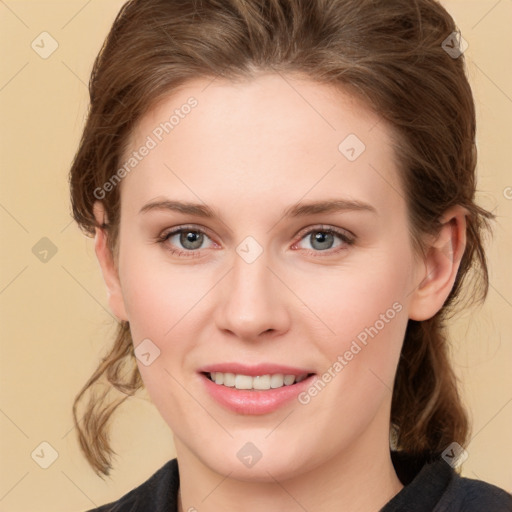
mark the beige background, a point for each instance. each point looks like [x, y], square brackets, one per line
[54, 316]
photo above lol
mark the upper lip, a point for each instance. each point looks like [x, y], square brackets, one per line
[254, 370]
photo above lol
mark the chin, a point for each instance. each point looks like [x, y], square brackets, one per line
[248, 464]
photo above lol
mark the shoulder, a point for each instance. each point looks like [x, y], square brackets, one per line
[158, 492]
[469, 495]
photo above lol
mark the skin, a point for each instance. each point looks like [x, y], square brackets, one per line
[249, 150]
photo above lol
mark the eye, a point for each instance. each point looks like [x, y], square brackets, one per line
[323, 239]
[188, 241]
[184, 241]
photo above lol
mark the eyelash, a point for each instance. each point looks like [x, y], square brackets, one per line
[346, 239]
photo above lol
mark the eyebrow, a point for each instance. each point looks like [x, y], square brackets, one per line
[297, 210]
[331, 206]
[199, 210]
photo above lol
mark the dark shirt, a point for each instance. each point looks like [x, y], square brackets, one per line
[432, 487]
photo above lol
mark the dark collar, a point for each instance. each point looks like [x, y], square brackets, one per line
[425, 482]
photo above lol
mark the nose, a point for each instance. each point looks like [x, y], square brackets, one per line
[253, 302]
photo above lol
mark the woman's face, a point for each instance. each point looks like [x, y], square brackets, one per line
[294, 259]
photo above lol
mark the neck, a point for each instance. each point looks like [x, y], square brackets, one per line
[351, 481]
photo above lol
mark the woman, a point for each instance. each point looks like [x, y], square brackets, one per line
[282, 199]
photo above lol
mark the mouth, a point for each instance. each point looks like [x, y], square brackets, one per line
[257, 382]
[254, 390]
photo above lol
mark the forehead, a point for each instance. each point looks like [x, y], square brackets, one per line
[270, 135]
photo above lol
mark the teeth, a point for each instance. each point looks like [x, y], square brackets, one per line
[289, 379]
[229, 380]
[260, 382]
[277, 380]
[242, 382]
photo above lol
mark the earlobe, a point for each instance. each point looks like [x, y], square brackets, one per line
[439, 268]
[107, 265]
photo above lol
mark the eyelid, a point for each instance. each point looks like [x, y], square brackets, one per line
[166, 234]
[346, 236]
[191, 227]
[325, 227]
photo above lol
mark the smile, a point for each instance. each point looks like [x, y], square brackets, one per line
[254, 389]
[258, 382]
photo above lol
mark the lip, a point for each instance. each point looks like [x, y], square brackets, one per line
[254, 402]
[254, 370]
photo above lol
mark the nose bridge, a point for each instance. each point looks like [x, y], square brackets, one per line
[251, 301]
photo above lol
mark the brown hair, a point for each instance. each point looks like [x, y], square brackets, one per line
[388, 53]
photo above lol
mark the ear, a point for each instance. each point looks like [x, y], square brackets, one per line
[438, 269]
[108, 266]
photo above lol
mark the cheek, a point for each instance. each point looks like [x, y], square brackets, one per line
[368, 314]
[353, 298]
[159, 301]
[342, 302]
[365, 308]
[157, 295]
[164, 303]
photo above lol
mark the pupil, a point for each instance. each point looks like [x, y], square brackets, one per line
[324, 239]
[191, 239]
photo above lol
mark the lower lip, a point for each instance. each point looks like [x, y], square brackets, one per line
[257, 401]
